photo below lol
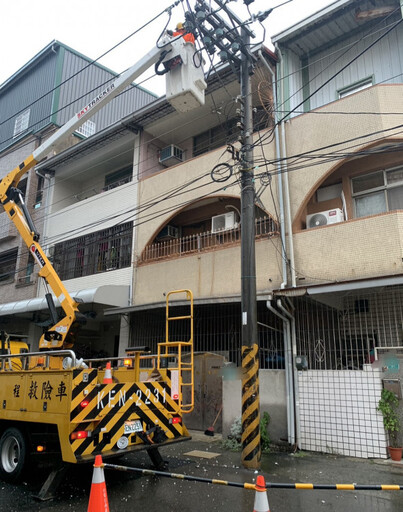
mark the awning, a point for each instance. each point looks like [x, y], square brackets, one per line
[198, 301]
[109, 295]
[342, 286]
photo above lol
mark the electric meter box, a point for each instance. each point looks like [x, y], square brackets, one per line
[185, 82]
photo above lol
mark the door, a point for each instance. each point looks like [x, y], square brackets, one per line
[208, 392]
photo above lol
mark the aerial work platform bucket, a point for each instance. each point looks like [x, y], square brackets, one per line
[185, 82]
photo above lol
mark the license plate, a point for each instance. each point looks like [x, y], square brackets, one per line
[133, 426]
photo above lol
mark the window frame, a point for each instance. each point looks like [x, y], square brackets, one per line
[216, 136]
[382, 188]
[358, 86]
[100, 251]
[119, 177]
[8, 270]
[21, 123]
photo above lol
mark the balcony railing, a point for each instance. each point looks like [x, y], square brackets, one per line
[177, 247]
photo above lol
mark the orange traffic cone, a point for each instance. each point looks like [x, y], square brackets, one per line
[108, 374]
[98, 496]
[261, 500]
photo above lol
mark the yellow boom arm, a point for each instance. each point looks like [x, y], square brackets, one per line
[13, 201]
[9, 197]
[175, 53]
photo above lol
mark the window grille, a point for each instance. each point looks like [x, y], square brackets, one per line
[345, 337]
[87, 129]
[102, 251]
[118, 178]
[218, 329]
[8, 262]
[21, 123]
[215, 137]
[227, 132]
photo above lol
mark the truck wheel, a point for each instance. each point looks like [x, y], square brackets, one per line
[13, 455]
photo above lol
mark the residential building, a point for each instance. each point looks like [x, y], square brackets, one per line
[330, 286]
[151, 203]
[329, 228]
[341, 77]
[34, 102]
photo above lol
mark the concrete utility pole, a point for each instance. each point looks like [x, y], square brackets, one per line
[251, 450]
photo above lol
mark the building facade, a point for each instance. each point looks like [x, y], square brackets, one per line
[329, 228]
[34, 102]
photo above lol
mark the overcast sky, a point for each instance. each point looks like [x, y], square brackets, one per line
[92, 27]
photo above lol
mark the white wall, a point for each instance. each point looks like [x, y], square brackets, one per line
[338, 412]
[272, 392]
[99, 212]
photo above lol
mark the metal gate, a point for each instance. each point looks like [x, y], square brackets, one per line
[208, 392]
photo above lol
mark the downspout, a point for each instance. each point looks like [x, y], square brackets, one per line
[288, 374]
[136, 171]
[294, 371]
[279, 173]
[286, 180]
[47, 200]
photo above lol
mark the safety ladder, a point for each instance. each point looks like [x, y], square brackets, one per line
[177, 356]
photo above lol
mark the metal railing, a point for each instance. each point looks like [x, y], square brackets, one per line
[42, 359]
[174, 248]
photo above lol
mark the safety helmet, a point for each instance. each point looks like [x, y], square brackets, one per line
[179, 26]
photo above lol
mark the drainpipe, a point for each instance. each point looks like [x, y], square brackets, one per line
[294, 371]
[47, 199]
[288, 372]
[136, 178]
[286, 180]
[279, 173]
[296, 385]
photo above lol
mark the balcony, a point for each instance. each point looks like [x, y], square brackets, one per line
[178, 247]
[354, 249]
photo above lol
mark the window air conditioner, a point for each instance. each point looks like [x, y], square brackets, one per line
[223, 222]
[171, 155]
[324, 218]
[168, 233]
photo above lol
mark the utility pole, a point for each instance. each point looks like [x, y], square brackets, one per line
[233, 43]
[251, 449]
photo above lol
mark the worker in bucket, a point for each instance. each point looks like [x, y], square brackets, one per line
[180, 31]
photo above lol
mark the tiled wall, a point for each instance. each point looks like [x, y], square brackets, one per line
[338, 412]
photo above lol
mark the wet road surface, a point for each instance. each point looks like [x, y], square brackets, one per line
[135, 492]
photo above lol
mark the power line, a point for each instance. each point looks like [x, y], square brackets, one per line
[346, 49]
[392, 27]
[168, 9]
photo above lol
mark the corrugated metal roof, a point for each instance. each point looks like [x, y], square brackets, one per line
[54, 85]
[333, 23]
[50, 49]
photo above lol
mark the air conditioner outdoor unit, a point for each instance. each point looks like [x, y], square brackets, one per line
[223, 222]
[324, 218]
[168, 233]
[171, 155]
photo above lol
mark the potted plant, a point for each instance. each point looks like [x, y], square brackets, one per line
[388, 405]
